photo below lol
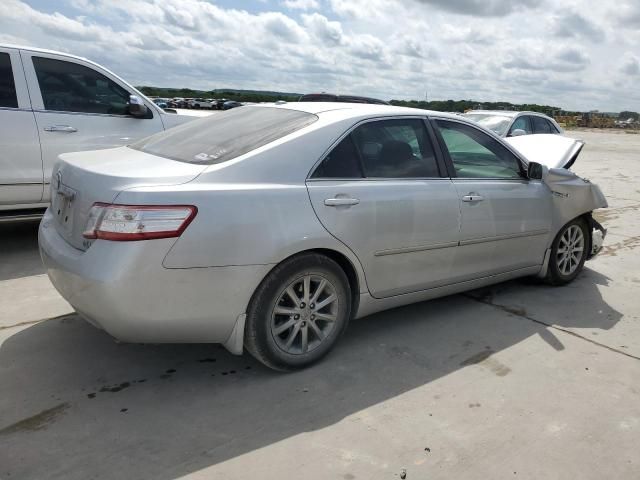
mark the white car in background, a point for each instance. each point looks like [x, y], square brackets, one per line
[53, 103]
[200, 103]
[514, 124]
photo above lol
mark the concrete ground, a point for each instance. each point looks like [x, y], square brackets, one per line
[516, 381]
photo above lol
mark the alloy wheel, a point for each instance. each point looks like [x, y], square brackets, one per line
[570, 250]
[304, 314]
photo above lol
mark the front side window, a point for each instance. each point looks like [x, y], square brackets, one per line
[475, 154]
[8, 97]
[540, 125]
[70, 87]
[522, 123]
[218, 138]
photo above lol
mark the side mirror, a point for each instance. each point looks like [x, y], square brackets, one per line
[534, 171]
[518, 132]
[137, 108]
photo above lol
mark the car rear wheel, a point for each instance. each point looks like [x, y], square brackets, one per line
[568, 253]
[298, 312]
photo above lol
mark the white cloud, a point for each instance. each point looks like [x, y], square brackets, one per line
[630, 64]
[566, 54]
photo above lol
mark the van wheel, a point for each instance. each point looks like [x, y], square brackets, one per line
[298, 312]
[568, 253]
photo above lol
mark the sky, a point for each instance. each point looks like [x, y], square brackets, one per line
[573, 54]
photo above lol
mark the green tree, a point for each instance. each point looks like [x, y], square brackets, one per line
[625, 115]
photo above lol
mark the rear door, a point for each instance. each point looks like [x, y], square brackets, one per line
[20, 160]
[506, 218]
[381, 192]
[79, 107]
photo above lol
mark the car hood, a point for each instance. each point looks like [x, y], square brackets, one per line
[554, 151]
[174, 119]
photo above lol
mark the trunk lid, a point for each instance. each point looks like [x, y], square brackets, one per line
[554, 151]
[81, 179]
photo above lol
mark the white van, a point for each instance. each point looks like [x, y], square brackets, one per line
[52, 103]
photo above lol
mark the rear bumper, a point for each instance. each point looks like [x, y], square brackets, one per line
[123, 288]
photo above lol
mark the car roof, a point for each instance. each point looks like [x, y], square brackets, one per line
[353, 110]
[43, 50]
[507, 113]
[344, 98]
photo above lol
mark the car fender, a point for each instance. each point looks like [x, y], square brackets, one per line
[573, 196]
[279, 217]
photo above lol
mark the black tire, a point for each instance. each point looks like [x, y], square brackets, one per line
[259, 337]
[555, 275]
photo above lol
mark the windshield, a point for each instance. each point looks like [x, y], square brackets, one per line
[223, 136]
[497, 123]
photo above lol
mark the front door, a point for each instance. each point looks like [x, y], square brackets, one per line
[506, 218]
[380, 191]
[79, 108]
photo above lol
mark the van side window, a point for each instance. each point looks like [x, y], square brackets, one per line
[8, 97]
[70, 87]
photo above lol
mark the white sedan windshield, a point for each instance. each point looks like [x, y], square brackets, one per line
[497, 123]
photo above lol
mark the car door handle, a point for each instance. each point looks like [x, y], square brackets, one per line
[342, 201]
[60, 128]
[472, 197]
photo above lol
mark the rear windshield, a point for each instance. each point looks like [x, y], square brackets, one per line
[223, 136]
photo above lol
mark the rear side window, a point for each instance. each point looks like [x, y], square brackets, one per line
[70, 87]
[8, 97]
[342, 162]
[221, 137]
[382, 149]
[396, 149]
[540, 125]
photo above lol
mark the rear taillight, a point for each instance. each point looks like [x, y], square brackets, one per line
[137, 222]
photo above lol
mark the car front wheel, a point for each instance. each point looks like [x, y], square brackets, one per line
[298, 312]
[568, 253]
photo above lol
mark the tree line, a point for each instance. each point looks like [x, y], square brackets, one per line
[437, 105]
[238, 95]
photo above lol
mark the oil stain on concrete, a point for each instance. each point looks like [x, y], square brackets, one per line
[484, 359]
[39, 421]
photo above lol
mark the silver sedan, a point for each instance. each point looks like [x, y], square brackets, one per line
[270, 227]
[514, 124]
